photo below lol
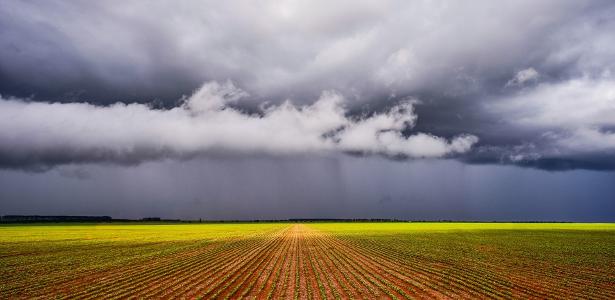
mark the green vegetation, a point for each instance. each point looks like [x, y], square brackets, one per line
[552, 259]
[315, 260]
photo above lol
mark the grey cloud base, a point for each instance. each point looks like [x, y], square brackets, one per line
[340, 186]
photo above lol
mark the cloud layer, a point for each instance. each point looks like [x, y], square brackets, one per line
[571, 120]
[39, 134]
[281, 49]
[532, 79]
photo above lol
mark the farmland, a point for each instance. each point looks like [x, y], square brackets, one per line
[308, 260]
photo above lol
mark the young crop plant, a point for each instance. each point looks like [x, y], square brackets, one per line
[313, 261]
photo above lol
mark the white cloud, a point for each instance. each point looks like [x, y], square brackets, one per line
[205, 124]
[584, 140]
[574, 117]
[400, 66]
[568, 104]
[214, 96]
[523, 76]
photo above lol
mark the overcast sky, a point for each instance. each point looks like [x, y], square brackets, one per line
[491, 110]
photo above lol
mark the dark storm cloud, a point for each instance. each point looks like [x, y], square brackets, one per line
[532, 80]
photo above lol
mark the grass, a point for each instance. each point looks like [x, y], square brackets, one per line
[337, 260]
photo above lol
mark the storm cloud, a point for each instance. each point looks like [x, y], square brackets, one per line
[529, 83]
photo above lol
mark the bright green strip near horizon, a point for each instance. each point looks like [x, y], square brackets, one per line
[132, 232]
[209, 231]
[423, 227]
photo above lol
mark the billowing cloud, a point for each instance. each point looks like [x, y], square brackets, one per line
[40, 134]
[569, 120]
[574, 103]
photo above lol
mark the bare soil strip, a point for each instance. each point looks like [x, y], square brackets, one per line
[298, 262]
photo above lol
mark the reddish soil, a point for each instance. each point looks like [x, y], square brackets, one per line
[299, 263]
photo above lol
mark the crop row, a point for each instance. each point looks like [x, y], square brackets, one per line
[297, 261]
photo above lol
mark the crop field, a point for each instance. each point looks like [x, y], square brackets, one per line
[308, 260]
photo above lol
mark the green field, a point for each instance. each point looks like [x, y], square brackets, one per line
[309, 260]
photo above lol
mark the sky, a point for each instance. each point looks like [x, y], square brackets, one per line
[481, 110]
